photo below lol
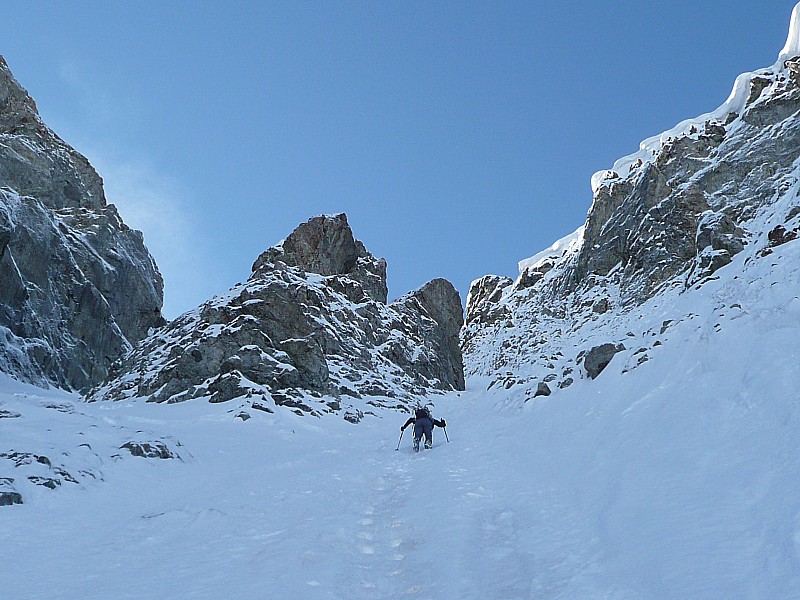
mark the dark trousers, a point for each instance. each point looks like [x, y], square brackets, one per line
[423, 426]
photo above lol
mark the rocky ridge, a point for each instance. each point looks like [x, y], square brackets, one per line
[713, 191]
[309, 330]
[77, 286]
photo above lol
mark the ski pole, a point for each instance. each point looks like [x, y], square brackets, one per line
[402, 431]
[445, 435]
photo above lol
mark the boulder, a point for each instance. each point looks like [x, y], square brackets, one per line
[149, 449]
[542, 389]
[10, 498]
[599, 357]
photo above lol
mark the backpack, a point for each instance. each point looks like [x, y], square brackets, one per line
[422, 413]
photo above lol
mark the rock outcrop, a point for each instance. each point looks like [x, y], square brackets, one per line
[77, 286]
[666, 219]
[309, 330]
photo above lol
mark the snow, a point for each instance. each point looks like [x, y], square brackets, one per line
[566, 245]
[792, 47]
[676, 479]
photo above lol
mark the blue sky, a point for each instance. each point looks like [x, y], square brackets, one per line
[459, 137]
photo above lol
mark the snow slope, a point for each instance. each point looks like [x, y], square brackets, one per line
[674, 479]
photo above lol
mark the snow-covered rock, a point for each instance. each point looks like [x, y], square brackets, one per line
[310, 330]
[662, 222]
[77, 286]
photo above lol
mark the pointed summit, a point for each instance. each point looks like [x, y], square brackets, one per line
[325, 245]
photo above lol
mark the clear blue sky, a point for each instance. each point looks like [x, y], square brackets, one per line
[459, 137]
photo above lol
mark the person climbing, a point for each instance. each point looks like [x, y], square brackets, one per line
[423, 425]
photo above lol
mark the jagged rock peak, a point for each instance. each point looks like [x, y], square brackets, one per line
[60, 177]
[439, 300]
[325, 245]
[309, 330]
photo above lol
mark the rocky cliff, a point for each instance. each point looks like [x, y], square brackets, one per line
[77, 286]
[310, 329]
[715, 190]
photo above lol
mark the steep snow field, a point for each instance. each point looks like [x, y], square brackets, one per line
[678, 479]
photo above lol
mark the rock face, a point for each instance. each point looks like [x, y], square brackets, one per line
[77, 286]
[310, 330]
[664, 220]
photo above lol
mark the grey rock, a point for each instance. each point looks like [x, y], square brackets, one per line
[718, 240]
[779, 235]
[303, 339]
[599, 357]
[601, 307]
[542, 389]
[149, 449]
[485, 309]
[48, 482]
[77, 286]
[325, 245]
[353, 415]
[10, 498]
[533, 275]
[441, 302]
[484, 298]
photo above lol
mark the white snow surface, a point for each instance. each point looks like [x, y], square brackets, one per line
[676, 478]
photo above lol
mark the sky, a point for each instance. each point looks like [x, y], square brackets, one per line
[459, 137]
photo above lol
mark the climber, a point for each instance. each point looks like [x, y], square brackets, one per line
[423, 424]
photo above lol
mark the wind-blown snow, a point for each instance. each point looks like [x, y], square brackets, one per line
[566, 245]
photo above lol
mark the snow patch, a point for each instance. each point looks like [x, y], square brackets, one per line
[566, 245]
